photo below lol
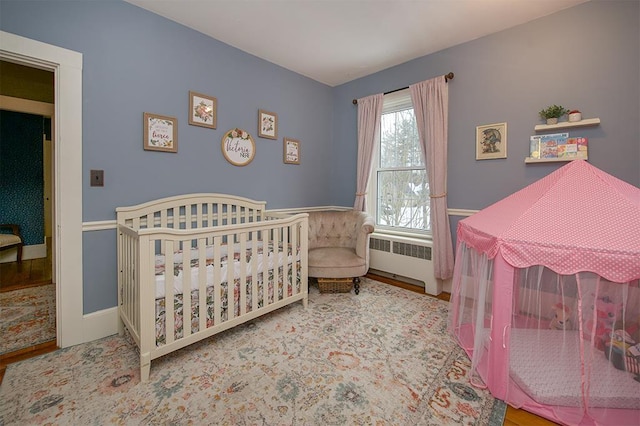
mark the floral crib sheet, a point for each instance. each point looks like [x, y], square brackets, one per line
[280, 278]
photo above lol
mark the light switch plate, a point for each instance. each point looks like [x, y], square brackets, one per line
[97, 177]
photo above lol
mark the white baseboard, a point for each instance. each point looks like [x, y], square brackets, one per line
[100, 324]
[35, 251]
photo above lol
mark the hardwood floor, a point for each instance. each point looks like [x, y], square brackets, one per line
[14, 276]
[28, 273]
[514, 416]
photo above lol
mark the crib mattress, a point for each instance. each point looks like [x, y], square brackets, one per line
[274, 259]
[546, 365]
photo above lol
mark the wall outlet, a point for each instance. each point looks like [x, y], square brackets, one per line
[97, 177]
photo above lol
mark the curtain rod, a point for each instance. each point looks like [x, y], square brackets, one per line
[447, 77]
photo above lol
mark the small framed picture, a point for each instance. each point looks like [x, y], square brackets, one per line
[203, 110]
[291, 151]
[160, 133]
[267, 124]
[491, 141]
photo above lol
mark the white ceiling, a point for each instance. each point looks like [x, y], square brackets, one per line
[336, 41]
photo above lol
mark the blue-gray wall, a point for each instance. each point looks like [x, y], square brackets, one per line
[586, 57]
[135, 62]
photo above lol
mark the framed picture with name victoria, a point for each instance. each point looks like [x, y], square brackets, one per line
[238, 147]
[160, 133]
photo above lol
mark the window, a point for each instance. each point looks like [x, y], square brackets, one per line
[399, 178]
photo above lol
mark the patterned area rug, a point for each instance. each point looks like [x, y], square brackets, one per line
[382, 357]
[27, 317]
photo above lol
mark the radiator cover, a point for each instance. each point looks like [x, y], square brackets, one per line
[404, 257]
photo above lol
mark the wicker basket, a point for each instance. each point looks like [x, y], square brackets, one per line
[335, 285]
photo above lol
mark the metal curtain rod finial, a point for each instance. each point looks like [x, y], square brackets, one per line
[447, 77]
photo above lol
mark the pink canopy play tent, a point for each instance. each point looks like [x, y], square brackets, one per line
[546, 297]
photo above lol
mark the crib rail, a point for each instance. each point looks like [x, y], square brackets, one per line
[244, 227]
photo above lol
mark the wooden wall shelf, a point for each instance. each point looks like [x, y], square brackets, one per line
[568, 124]
[552, 160]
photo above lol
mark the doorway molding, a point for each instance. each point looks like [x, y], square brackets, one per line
[72, 327]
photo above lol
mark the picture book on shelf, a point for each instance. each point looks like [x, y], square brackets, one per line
[534, 146]
[549, 144]
[582, 146]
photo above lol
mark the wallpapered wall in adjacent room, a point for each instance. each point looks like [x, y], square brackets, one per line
[21, 174]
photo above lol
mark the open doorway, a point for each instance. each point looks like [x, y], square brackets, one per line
[27, 288]
[72, 325]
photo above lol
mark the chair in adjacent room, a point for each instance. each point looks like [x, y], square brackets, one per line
[11, 240]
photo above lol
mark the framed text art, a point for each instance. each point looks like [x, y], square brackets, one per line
[160, 133]
[291, 151]
[203, 110]
[238, 147]
[491, 141]
[267, 124]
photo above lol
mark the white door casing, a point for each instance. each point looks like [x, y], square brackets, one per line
[67, 67]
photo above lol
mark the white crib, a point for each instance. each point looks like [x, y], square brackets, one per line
[201, 243]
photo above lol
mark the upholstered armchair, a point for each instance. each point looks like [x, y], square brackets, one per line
[339, 244]
[11, 240]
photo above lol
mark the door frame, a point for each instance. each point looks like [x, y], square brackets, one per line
[67, 214]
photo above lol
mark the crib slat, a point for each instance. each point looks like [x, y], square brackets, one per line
[243, 273]
[186, 287]
[254, 269]
[292, 264]
[266, 253]
[217, 214]
[231, 284]
[229, 214]
[217, 296]
[168, 293]
[279, 277]
[202, 283]
[199, 219]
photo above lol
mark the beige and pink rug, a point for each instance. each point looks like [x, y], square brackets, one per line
[382, 357]
[27, 317]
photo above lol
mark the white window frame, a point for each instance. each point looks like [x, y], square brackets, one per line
[392, 102]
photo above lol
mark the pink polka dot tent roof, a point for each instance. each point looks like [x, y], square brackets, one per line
[578, 218]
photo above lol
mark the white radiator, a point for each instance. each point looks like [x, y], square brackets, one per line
[404, 257]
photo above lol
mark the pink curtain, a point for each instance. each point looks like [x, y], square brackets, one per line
[431, 104]
[369, 114]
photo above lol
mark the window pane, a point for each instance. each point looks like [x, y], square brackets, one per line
[403, 199]
[399, 144]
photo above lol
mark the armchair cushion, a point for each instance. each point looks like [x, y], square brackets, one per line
[339, 243]
[14, 239]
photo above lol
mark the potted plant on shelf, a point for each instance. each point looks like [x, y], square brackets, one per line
[552, 113]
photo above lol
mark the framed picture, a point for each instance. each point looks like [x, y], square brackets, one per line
[160, 133]
[291, 151]
[203, 110]
[267, 124]
[491, 141]
[238, 147]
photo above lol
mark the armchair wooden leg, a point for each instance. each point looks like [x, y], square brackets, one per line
[356, 285]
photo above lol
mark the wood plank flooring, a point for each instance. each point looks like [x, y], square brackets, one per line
[28, 273]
